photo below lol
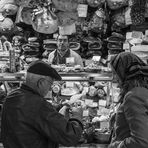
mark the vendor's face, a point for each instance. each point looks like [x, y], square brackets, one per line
[62, 44]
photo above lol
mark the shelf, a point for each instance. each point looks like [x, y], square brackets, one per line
[81, 76]
[84, 76]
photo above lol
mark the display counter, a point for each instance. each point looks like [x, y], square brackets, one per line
[79, 146]
[93, 145]
[82, 76]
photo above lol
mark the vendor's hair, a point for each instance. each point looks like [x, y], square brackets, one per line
[138, 81]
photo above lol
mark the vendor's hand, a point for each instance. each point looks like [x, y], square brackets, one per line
[77, 112]
[65, 111]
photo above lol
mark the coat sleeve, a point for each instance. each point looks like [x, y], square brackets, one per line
[55, 127]
[136, 115]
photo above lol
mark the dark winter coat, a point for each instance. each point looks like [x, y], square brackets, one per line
[29, 121]
[132, 121]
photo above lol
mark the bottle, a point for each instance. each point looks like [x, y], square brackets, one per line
[11, 50]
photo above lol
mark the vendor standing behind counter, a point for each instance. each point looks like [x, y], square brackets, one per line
[60, 55]
[29, 121]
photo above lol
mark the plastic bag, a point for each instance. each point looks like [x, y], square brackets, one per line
[96, 24]
[45, 21]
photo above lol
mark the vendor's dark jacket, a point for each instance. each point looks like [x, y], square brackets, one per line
[29, 121]
[132, 120]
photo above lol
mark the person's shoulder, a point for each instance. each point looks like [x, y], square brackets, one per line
[137, 92]
[51, 53]
[74, 53]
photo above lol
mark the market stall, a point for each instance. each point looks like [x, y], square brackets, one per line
[97, 29]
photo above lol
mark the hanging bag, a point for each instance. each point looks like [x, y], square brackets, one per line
[8, 7]
[44, 20]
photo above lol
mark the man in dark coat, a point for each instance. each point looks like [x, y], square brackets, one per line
[29, 121]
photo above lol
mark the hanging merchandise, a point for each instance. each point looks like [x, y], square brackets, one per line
[115, 43]
[66, 18]
[116, 38]
[6, 25]
[74, 45]
[95, 3]
[22, 2]
[138, 12]
[65, 5]
[25, 15]
[96, 24]
[31, 50]
[114, 46]
[95, 45]
[116, 4]
[118, 20]
[44, 20]
[8, 7]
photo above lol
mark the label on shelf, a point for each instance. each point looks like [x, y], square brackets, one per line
[88, 102]
[85, 113]
[70, 60]
[70, 84]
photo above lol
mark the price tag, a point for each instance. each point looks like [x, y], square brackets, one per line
[55, 35]
[88, 102]
[70, 84]
[70, 60]
[146, 32]
[137, 34]
[85, 113]
[96, 58]
[102, 102]
[128, 35]
[126, 46]
[82, 10]
[104, 125]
